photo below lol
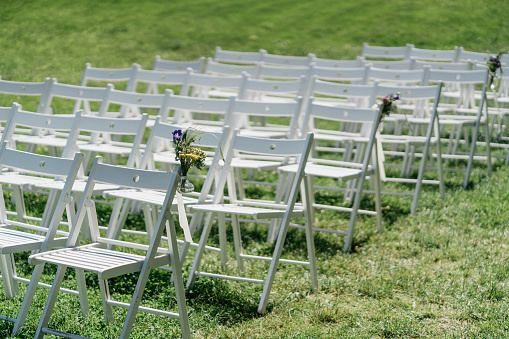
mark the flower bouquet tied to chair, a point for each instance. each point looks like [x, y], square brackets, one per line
[387, 105]
[188, 155]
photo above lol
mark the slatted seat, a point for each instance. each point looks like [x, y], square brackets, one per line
[11, 240]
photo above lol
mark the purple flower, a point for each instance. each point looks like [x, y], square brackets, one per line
[177, 135]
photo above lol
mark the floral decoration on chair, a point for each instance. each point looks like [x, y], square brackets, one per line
[188, 155]
[493, 64]
[387, 105]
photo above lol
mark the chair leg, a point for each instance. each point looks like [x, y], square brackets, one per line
[8, 271]
[223, 244]
[82, 291]
[50, 303]
[237, 243]
[199, 251]
[177, 281]
[310, 240]
[105, 297]
[19, 201]
[27, 299]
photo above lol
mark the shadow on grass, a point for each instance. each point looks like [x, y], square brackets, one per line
[221, 300]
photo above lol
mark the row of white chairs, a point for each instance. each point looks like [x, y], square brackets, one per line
[295, 151]
[408, 52]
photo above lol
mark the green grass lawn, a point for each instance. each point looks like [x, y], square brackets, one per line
[443, 272]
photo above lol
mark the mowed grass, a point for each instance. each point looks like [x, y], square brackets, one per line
[443, 272]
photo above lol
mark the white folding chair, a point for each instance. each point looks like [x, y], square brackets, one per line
[132, 104]
[282, 72]
[465, 113]
[419, 133]
[157, 81]
[218, 68]
[273, 90]
[433, 54]
[104, 256]
[100, 77]
[298, 149]
[178, 66]
[333, 63]
[212, 86]
[352, 170]
[396, 76]
[17, 237]
[406, 64]
[477, 57]
[281, 118]
[385, 52]
[204, 113]
[451, 66]
[286, 60]
[236, 57]
[77, 96]
[13, 91]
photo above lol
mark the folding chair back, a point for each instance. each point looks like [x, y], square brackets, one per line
[434, 55]
[273, 90]
[157, 80]
[103, 76]
[77, 95]
[132, 104]
[209, 85]
[236, 57]
[332, 63]
[204, 112]
[102, 132]
[13, 91]
[391, 64]
[178, 66]
[217, 68]
[400, 52]
[286, 60]
[243, 115]
[397, 77]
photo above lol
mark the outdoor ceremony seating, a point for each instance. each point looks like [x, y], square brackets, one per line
[104, 256]
[285, 136]
[21, 236]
